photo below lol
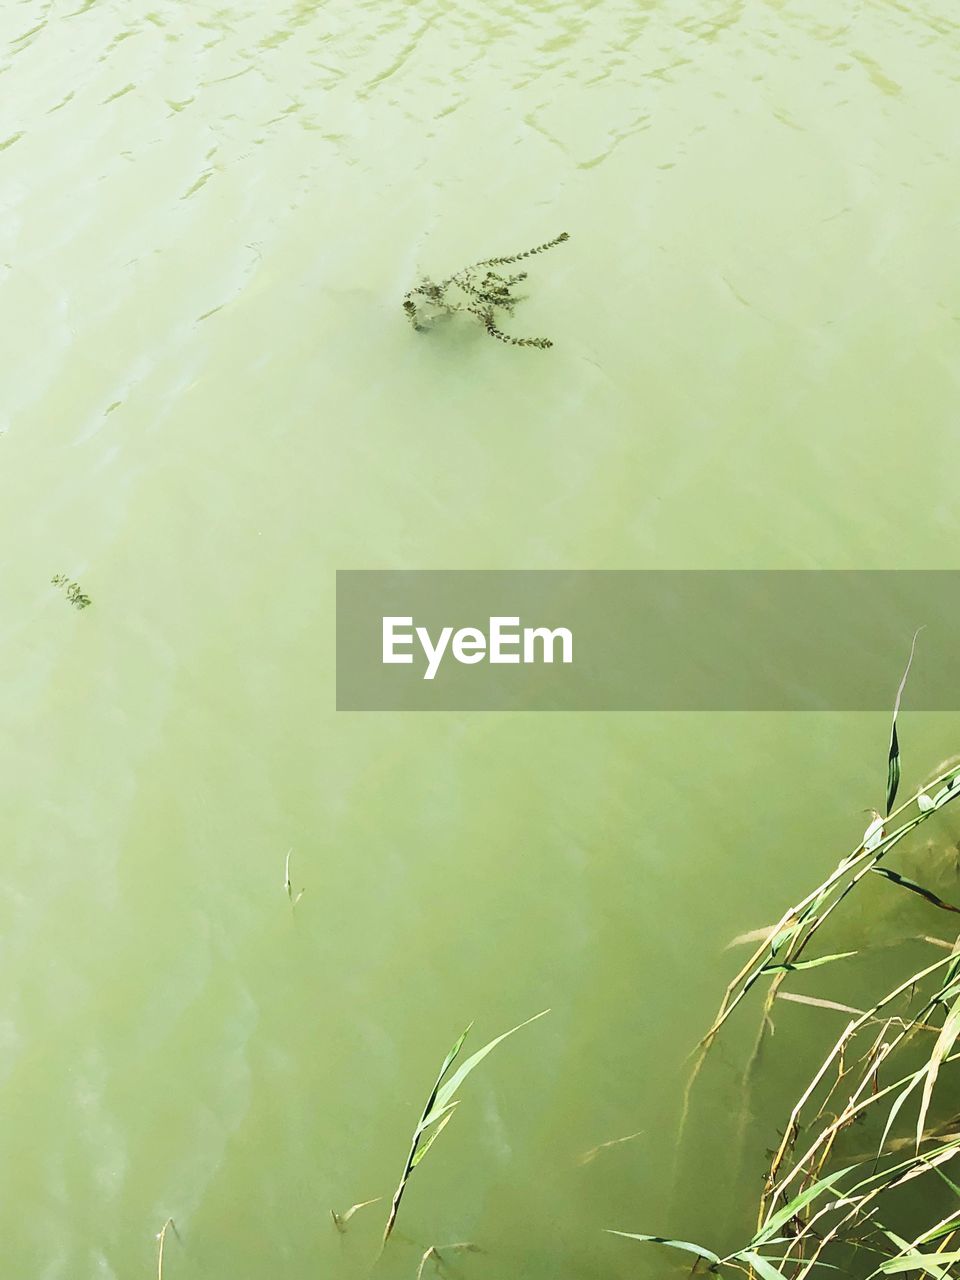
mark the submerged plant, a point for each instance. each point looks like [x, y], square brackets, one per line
[588, 1157]
[433, 1254]
[481, 290]
[829, 1199]
[169, 1225]
[288, 883]
[439, 1109]
[340, 1220]
[72, 590]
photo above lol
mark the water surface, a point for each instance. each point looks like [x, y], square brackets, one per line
[211, 401]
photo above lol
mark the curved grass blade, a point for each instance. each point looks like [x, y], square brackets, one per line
[945, 1042]
[909, 1254]
[445, 1093]
[896, 878]
[930, 1264]
[763, 1266]
[902, 1096]
[917, 1261]
[685, 1245]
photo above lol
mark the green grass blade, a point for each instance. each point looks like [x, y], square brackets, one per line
[763, 1266]
[896, 878]
[454, 1053]
[945, 1042]
[929, 1263]
[893, 768]
[685, 1245]
[783, 1216]
[439, 1107]
[435, 1112]
[424, 1147]
[445, 1093]
[796, 965]
[898, 1102]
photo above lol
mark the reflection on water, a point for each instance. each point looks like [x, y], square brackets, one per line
[211, 401]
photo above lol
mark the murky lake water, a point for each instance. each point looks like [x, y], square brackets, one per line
[211, 401]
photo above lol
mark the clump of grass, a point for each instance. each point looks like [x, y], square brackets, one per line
[439, 1109]
[72, 590]
[826, 1203]
[480, 290]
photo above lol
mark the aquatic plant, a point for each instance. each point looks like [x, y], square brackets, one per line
[439, 1109]
[340, 1220]
[588, 1157]
[288, 886]
[169, 1225]
[825, 1200]
[434, 1255]
[77, 598]
[479, 290]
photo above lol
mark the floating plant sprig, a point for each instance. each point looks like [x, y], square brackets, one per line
[79, 599]
[478, 290]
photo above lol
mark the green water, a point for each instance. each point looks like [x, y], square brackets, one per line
[211, 401]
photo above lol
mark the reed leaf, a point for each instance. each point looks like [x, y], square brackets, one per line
[439, 1107]
[793, 966]
[945, 1042]
[913, 1260]
[445, 1094]
[763, 1266]
[790, 1210]
[713, 1258]
[896, 878]
[425, 1147]
[893, 756]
